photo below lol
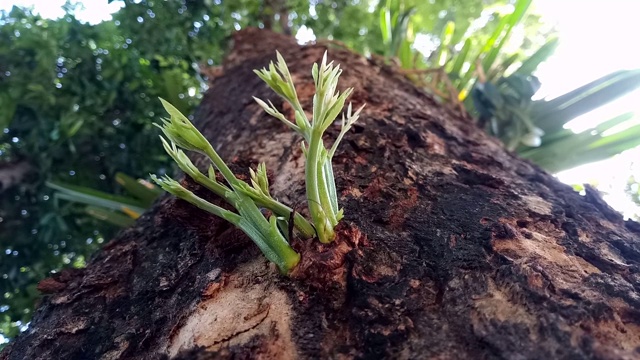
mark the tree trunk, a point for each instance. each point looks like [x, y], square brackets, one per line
[451, 247]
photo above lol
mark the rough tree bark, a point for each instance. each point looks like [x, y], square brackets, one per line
[452, 248]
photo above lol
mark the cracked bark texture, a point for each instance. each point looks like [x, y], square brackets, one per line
[451, 247]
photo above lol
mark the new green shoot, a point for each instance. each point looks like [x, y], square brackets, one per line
[320, 185]
[247, 199]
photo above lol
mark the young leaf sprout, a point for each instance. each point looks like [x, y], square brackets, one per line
[248, 199]
[327, 105]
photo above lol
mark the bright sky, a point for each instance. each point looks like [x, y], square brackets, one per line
[597, 38]
[594, 42]
[95, 10]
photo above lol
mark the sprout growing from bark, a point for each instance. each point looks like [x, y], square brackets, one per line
[246, 199]
[322, 197]
[249, 198]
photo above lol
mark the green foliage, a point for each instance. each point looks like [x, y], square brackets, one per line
[247, 198]
[506, 107]
[502, 84]
[470, 44]
[555, 113]
[348, 21]
[536, 129]
[115, 209]
[78, 97]
[565, 149]
[396, 30]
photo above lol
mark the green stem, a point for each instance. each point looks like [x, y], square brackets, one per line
[331, 186]
[250, 220]
[304, 226]
[222, 166]
[203, 180]
[266, 235]
[323, 192]
[324, 228]
[230, 216]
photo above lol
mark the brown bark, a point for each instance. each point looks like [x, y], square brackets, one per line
[451, 247]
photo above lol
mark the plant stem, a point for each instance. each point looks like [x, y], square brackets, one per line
[214, 186]
[304, 226]
[323, 191]
[193, 199]
[222, 166]
[324, 227]
[331, 186]
[266, 235]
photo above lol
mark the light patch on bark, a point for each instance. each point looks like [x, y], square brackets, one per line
[543, 249]
[435, 144]
[240, 310]
[545, 262]
[289, 175]
[537, 205]
[432, 169]
[499, 306]
[75, 325]
[121, 345]
[288, 171]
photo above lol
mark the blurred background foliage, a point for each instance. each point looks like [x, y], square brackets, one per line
[77, 100]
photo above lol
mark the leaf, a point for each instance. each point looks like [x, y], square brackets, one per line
[445, 42]
[460, 59]
[385, 24]
[492, 94]
[512, 20]
[524, 86]
[573, 150]
[530, 64]
[500, 69]
[174, 86]
[109, 216]
[399, 33]
[94, 197]
[130, 212]
[74, 128]
[609, 124]
[405, 55]
[147, 194]
[618, 140]
[491, 49]
[552, 115]
[482, 105]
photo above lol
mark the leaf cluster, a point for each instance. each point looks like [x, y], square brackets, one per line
[246, 198]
